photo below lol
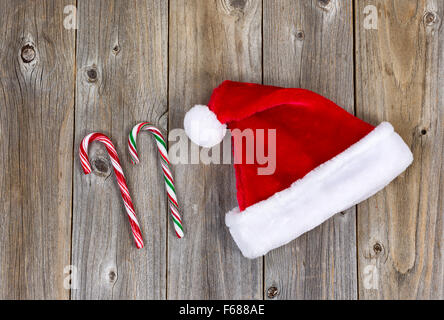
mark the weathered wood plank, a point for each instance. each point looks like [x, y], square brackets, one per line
[121, 80]
[309, 44]
[36, 143]
[210, 41]
[399, 79]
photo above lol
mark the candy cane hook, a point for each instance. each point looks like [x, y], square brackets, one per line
[165, 163]
[84, 160]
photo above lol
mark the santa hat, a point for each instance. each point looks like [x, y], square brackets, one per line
[327, 160]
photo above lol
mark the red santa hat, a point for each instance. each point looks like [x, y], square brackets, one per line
[327, 160]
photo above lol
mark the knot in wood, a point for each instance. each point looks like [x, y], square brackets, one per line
[92, 74]
[112, 275]
[324, 4]
[272, 292]
[116, 49]
[430, 18]
[238, 4]
[28, 53]
[377, 248]
[300, 35]
[101, 167]
[235, 8]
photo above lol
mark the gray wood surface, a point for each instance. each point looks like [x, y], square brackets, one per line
[309, 44]
[210, 41]
[152, 60]
[399, 79]
[126, 46]
[36, 138]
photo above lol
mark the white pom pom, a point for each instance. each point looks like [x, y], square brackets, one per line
[202, 127]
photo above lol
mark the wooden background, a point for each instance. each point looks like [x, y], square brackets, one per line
[130, 61]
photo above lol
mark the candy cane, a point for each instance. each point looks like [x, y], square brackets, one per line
[84, 160]
[165, 163]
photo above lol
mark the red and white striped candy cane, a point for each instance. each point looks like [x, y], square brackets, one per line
[84, 160]
[165, 163]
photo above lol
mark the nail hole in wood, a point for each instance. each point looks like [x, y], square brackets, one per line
[423, 132]
[272, 292]
[28, 53]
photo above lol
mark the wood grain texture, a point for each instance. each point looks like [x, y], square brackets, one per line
[210, 41]
[152, 60]
[36, 138]
[400, 79]
[121, 80]
[309, 44]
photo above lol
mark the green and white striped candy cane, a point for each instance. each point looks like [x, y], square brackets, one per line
[165, 163]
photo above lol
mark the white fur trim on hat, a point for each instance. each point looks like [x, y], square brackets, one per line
[343, 181]
[202, 126]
